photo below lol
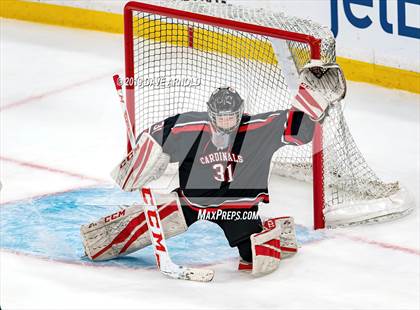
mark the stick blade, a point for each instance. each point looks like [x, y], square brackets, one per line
[192, 274]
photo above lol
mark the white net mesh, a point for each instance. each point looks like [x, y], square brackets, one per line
[179, 63]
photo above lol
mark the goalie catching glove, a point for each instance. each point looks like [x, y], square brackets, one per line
[146, 162]
[320, 86]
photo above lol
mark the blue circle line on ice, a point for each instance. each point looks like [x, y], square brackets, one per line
[49, 227]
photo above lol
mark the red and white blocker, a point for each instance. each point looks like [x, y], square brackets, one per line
[310, 101]
[275, 242]
[126, 231]
[146, 162]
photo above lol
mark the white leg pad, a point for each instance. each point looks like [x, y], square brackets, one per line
[288, 242]
[266, 253]
[125, 231]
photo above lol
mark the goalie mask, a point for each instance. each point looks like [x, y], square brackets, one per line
[225, 108]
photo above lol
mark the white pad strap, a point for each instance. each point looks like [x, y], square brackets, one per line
[275, 242]
[146, 162]
[265, 251]
[288, 242]
[125, 231]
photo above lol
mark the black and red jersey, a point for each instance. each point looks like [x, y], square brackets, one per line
[234, 176]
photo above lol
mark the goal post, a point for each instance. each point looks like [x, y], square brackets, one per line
[170, 44]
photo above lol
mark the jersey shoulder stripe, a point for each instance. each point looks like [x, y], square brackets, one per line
[261, 118]
[191, 122]
[191, 128]
[259, 122]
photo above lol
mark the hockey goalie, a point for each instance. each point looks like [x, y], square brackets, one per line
[223, 158]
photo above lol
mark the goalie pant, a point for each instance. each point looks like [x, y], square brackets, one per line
[244, 231]
[237, 230]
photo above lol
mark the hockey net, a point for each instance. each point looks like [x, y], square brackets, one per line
[178, 52]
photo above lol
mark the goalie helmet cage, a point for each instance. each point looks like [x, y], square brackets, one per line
[178, 52]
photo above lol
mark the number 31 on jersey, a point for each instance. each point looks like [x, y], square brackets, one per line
[222, 174]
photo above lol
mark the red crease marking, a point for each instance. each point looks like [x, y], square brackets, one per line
[52, 92]
[53, 170]
[383, 244]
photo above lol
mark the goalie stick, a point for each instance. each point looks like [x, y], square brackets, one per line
[163, 260]
[130, 133]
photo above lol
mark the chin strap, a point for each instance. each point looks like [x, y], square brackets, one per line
[219, 139]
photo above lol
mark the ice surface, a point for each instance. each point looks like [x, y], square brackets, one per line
[61, 134]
